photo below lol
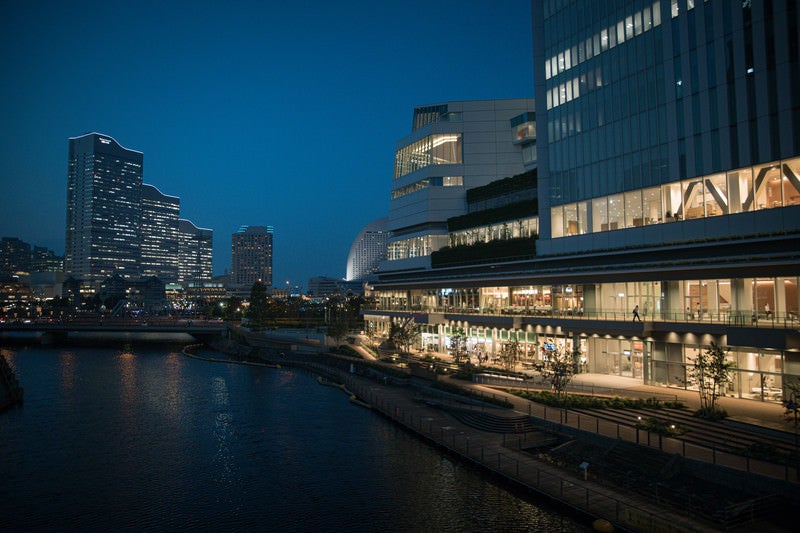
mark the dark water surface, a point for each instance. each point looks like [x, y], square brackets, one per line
[144, 438]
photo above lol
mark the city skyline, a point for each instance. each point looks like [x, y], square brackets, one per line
[221, 104]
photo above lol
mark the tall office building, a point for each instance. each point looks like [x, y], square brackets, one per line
[104, 209]
[251, 256]
[666, 110]
[194, 254]
[668, 147]
[160, 214]
[367, 251]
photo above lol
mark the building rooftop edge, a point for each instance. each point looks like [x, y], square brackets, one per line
[110, 137]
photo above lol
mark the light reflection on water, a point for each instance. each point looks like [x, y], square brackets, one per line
[148, 439]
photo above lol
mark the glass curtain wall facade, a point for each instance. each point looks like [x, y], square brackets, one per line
[666, 110]
[160, 215]
[194, 254]
[104, 211]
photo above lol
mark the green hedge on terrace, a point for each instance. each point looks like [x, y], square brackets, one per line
[509, 250]
[518, 182]
[507, 213]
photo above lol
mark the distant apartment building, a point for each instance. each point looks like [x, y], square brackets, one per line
[15, 255]
[194, 253]
[104, 209]
[45, 260]
[159, 249]
[367, 251]
[251, 256]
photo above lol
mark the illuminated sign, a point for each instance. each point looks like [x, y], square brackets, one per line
[105, 141]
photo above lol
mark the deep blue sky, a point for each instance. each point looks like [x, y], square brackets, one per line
[260, 113]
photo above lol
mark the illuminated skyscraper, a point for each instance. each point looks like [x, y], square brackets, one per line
[367, 251]
[104, 209]
[160, 214]
[251, 256]
[194, 253]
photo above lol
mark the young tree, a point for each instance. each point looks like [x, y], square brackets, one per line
[404, 335]
[337, 331]
[558, 371]
[712, 372]
[458, 345]
[509, 354]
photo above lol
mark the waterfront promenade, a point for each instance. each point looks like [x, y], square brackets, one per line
[511, 454]
[504, 455]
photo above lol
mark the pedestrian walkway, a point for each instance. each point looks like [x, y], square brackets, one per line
[419, 408]
[765, 414]
[505, 456]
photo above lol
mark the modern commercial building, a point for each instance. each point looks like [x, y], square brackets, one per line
[251, 257]
[367, 251]
[668, 148]
[104, 210]
[160, 215]
[194, 253]
[452, 147]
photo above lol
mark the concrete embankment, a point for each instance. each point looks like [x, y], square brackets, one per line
[429, 412]
[511, 454]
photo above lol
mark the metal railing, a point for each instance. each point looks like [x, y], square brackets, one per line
[741, 318]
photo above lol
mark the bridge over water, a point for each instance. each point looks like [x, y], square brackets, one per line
[60, 329]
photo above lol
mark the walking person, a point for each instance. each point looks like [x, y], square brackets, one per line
[636, 313]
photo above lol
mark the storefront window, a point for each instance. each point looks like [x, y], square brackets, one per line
[671, 196]
[633, 209]
[599, 214]
[557, 221]
[616, 212]
[651, 205]
[768, 186]
[790, 297]
[571, 218]
[693, 199]
[716, 195]
[740, 190]
[791, 182]
[583, 217]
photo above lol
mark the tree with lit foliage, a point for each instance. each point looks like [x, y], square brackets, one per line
[558, 370]
[404, 334]
[458, 345]
[510, 354]
[712, 371]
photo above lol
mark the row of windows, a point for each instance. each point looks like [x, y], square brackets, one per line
[775, 184]
[415, 247]
[604, 40]
[438, 149]
[720, 300]
[512, 229]
[445, 181]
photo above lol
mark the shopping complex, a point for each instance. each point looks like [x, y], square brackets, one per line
[656, 170]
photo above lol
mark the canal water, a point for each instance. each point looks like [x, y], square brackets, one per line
[143, 438]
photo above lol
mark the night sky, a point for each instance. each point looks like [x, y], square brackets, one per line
[253, 113]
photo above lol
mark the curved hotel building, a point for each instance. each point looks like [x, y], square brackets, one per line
[666, 175]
